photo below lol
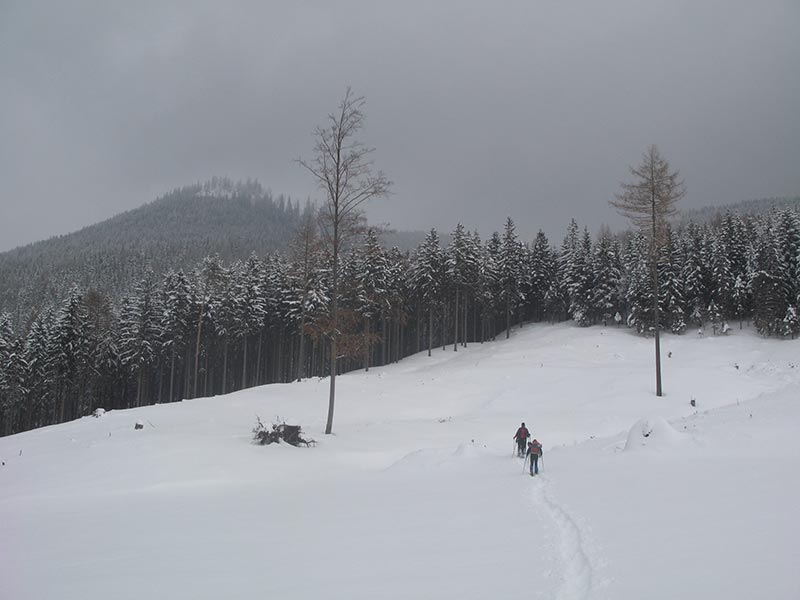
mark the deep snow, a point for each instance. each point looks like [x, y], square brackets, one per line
[417, 494]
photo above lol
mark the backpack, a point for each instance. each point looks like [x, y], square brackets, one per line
[537, 447]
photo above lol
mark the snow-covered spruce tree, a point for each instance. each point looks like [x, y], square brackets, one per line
[315, 311]
[251, 314]
[540, 265]
[567, 259]
[112, 378]
[556, 299]
[787, 236]
[306, 277]
[371, 286]
[68, 352]
[580, 282]
[101, 323]
[342, 167]
[472, 269]
[733, 237]
[176, 324]
[209, 279]
[140, 334]
[697, 273]
[493, 249]
[226, 311]
[283, 323]
[461, 266]
[605, 300]
[722, 280]
[769, 289]
[400, 301]
[639, 284]
[426, 277]
[40, 406]
[485, 285]
[9, 394]
[671, 300]
[509, 266]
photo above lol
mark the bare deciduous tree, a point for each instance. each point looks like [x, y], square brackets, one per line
[648, 201]
[343, 169]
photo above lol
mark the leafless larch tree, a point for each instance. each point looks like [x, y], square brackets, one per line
[648, 201]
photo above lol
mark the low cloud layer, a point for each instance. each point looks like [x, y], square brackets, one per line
[477, 110]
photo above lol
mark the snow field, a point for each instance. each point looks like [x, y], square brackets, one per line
[417, 494]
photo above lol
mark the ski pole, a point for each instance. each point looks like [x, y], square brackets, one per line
[525, 462]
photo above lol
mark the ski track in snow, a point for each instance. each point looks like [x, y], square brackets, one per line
[577, 570]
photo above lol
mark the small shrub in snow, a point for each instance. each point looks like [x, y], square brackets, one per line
[139, 425]
[291, 434]
[98, 412]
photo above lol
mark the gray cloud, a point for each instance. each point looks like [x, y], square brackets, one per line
[477, 110]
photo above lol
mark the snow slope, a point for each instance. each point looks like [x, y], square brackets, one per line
[417, 494]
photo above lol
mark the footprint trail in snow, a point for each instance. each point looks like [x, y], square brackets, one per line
[576, 568]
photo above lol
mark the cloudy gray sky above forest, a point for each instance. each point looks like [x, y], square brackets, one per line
[477, 110]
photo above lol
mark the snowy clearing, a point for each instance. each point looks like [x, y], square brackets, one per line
[417, 494]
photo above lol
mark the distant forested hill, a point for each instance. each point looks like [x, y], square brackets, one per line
[232, 219]
[175, 231]
[714, 214]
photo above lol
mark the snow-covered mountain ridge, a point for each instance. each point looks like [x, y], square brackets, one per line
[417, 494]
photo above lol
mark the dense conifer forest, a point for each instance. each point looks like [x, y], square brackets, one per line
[223, 325]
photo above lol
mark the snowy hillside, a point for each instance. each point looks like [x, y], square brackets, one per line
[417, 494]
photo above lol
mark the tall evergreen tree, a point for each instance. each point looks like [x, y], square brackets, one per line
[769, 290]
[605, 300]
[509, 266]
[671, 298]
[426, 278]
[140, 334]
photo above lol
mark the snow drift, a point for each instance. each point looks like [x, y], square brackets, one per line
[653, 433]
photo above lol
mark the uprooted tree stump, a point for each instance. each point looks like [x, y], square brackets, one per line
[291, 434]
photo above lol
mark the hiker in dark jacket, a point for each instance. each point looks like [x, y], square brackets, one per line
[534, 452]
[521, 436]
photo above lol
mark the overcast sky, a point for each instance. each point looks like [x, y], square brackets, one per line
[531, 109]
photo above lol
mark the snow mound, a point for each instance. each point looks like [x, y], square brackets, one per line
[654, 433]
[440, 458]
[469, 450]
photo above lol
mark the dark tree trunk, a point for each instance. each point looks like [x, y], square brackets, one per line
[172, 374]
[455, 324]
[244, 362]
[225, 366]
[508, 313]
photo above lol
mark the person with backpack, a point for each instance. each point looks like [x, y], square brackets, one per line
[521, 437]
[534, 452]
